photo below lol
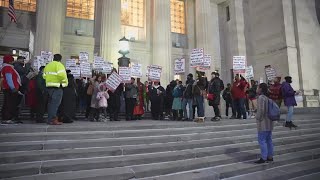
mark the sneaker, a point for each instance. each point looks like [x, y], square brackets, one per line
[260, 161]
[287, 124]
[269, 160]
[253, 117]
[232, 117]
[293, 125]
[55, 122]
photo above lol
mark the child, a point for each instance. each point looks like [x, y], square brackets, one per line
[102, 97]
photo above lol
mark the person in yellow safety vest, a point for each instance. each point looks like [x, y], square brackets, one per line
[56, 78]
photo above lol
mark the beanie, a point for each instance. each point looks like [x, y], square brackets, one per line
[8, 59]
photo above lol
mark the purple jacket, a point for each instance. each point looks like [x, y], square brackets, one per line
[288, 94]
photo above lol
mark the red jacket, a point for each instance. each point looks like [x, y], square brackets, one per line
[275, 92]
[7, 68]
[238, 89]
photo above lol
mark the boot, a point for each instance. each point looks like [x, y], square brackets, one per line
[288, 124]
[55, 121]
[293, 125]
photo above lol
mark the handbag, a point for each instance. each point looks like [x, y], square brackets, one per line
[210, 97]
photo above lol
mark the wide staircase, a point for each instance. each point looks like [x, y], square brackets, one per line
[157, 150]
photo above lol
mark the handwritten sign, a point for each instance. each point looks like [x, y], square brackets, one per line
[136, 70]
[1, 62]
[107, 67]
[125, 73]
[83, 57]
[154, 73]
[70, 62]
[98, 63]
[196, 57]
[24, 54]
[270, 72]
[75, 71]
[113, 81]
[206, 63]
[249, 72]
[46, 56]
[239, 64]
[179, 66]
[85, 69]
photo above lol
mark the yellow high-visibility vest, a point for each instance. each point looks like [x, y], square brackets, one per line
[55, 75]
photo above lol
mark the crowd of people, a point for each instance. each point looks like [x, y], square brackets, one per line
[54, 90]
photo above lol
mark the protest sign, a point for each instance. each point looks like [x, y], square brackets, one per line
[270, 72]
[154, 73]
[98, 63]
[196, 57]
[24, 54]
[70, 62]
[249, 72]
[107, 67]
[113, 81]
[125, 74]
[83, 57]
[75, 71]
[239, 64]
[85, 69]
[46, 56]
[206, 63]
[1, 62]
[179, 66]
[136, 70]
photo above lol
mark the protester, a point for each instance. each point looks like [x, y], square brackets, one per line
[275, 91]
[102, 97]
[157, 94]
[238, 96]
[177, 102]
[199, 90]
[42, 96]
[226, 95]
[188, 98]
[169, 98]
[215, 87]
[11, 83]
[114, 102]
[81, 92]
[289, 100]
[252, 97]
[31, 94]
[264, 126]
[95, 111]
[147, 97]
[23, 70]
[138, 108]
[131, 94]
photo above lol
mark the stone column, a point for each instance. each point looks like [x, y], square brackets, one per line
[110, 30]
[162, 39]
[50, 16]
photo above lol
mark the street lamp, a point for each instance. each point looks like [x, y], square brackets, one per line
[124, 50]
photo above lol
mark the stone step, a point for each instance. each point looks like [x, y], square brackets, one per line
[313, 176]
[224, 166]
[81, 135]
[107, 142]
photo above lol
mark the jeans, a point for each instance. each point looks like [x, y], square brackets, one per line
[239, 105]
[188, 102]
[290, 113]
[200, 106]
[265, 142]
[54, 101]
[228, 105]
[130, 103]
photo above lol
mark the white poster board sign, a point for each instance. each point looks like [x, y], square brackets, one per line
[136, 70]
[113, 81]
[75, 71]
[206, 63]
[179, 66]
[239, 64]
[85, 69]
[196, 57]
[70, 62]
[154, 73]
[46, 56]
[83, 57]
[1, 62]
[125, 73]
[107, 67]
[270, 72]
[98, 63]
[249, 72]
[24, 54]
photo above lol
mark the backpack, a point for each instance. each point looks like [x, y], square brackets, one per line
[273, 110]
[90, 90]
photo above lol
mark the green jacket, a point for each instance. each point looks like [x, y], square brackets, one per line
[55, 75]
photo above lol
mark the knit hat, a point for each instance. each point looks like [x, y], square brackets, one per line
[8, 59]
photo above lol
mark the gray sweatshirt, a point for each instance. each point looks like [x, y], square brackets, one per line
[263, 122]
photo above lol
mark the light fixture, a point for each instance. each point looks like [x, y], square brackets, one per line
[14, 51]
[124, 46]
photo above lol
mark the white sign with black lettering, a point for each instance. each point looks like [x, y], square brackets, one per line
[136, 70]
[83, 57]
[125, 73]
[113, 81]
[98, 63]
[70, 62]
[85, 68]
[196, 57]
[1, 62]
[46, 56]
[249, 72]
[75, 71]
[270, 72]
[239, 62]
[107, 67]
[24, 54]
[154, 73]
[180, 66]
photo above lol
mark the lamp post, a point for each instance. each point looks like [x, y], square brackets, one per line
[124, 50]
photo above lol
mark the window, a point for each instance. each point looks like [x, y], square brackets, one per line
[178, 17]
[132, 13]
[228, 13]
[24, 5]
[82, 9]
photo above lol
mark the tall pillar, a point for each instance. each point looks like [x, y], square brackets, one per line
[162, 43]
[110, 30]
[50, 15]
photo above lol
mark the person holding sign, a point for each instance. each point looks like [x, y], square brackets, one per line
[157, 93]
[131, 94]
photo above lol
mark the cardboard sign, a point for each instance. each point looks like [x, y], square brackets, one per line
[270, 72]
[85, 69]
[46, 56]
[196, 57]
[125, 73]
[154, 73]
[75, 71]
[249, 72]
[113, 81]
[136, 70]
[239, 64]
[70, 62]
[179, 66]
[83, 57]
[24, 54]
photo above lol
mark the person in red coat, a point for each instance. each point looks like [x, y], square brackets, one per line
[238, 92]
[11, 84]
[31, 95]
